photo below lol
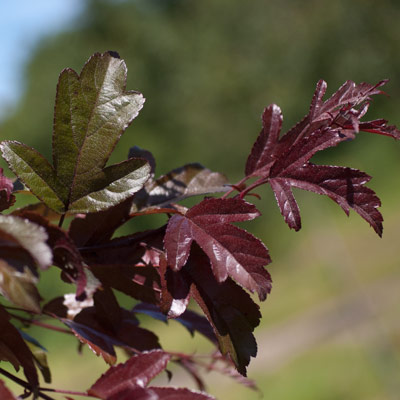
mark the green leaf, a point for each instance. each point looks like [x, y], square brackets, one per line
[19, 287]
[92, 111]
[23, 248]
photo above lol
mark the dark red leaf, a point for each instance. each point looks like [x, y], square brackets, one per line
[105, 325]
[94, 228]
[14, 349]
[169, 393]
[285, 163]
[138, 371]
[286, 202]
[229, 309]
[7, 199]
[232, 251]
[5, 394]
[262, 152]
[380, 127]
[189, 319]
[66, 256]
[175, 292]
[141, 283]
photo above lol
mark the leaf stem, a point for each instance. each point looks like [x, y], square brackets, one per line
[61, 220]
[24, 384]
[41, 324]
[83, 394]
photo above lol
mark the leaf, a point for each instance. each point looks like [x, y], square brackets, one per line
[92, 110]
[141, 283]
[191, 320]
[23, 235]
[228, 308]
[181, 183]
[66, 256]
[232, 251]
[23, 248]
[137, 372]
[5, 394]
[285, 162]
[170, 393]
[103, 324]
[175, 292]
[262, 153]
[14, 349]
[7, 199]
[19, 288]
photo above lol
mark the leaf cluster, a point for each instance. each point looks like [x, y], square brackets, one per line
[200, 253]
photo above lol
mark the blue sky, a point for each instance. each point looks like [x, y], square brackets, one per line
[22, 24]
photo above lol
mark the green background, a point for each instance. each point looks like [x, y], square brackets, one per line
[330, 327]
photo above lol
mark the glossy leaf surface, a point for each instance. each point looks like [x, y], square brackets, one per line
[232, 251]
[92, 110]
[23, 248]
[138, 371]
[285, 162]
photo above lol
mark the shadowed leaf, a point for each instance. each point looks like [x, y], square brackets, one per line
[191, 320]
[228, 308]
[14, 349]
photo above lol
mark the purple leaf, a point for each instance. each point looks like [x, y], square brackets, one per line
[138, 371]
[14, 349]
[141, 283]
[285, 162]
[5, 394]
[7, 199]
[189, 319]
[228, 308]
[232, 251]
[261, 154]
[169, 393]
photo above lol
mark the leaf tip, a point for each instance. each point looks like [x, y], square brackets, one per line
[113, 54]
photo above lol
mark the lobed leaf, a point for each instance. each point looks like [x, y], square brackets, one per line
[232, 251]
[285, 162]
[92, 110]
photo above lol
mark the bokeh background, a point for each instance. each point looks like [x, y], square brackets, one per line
[330, 327]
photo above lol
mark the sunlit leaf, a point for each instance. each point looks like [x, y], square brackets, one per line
[232, 251]
[92, 110]
[284, 162]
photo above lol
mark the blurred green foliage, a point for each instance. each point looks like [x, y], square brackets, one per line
[207, 69]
